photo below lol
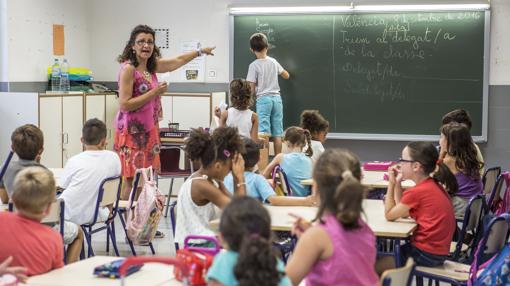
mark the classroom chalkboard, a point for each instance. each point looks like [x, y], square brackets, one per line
[375, 75]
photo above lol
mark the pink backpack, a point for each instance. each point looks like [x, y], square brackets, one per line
[502, 206]
[143, 219]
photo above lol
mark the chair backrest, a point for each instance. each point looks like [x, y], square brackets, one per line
[472, 220]
[56, 214]
[496, 195]
[109, 194]
[170, 157]
[5, 164]
[398, 277]
[489, 179]
[493, 240]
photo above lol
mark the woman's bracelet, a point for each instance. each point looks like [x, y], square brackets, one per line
[199, 52]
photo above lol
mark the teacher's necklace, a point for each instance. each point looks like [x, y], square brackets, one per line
[147, 76]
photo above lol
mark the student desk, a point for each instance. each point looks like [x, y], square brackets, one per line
[371, 179]
[374, 216]
[81, 274]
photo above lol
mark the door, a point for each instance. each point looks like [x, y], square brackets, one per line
[50, 123]
[112, 107]
[72, 123]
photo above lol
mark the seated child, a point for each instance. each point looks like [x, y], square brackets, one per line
[203, 193]
[245, 231]
[313, 121]
[296, 164]
[257, 186]
[458, 152]
[428, 203]
[83, 174]
[31, 244]
[339, 249]
[240, 115]
[27, 142]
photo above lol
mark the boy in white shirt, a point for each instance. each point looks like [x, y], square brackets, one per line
[83, 174]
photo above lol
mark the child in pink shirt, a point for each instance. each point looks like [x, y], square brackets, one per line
[340, 248]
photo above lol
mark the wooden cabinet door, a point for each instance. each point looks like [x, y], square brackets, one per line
[192, 111]
[72, 123]
[112, 107]
[50, 123]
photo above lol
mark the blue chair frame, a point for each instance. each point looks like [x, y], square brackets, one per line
[6, 164]
[88, 230]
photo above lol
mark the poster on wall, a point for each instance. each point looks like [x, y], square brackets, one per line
[194, 71]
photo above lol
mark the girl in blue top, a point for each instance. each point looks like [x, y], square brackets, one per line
[245, 231]
[296, 164]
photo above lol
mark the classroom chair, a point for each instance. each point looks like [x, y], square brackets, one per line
[108, 196]
[471, 224]
[172, 206]
[5, 164]
[489, 179]
[496, 194]
[170, 157]
[400, 276]
[56, 216]
[494, 240]
[122, 210]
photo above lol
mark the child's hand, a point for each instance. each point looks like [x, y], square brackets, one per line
[394, 174]
[238, 166]
[18, 271]
[300, 225]
[217, 112]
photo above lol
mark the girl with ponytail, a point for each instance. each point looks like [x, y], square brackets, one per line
[339, 249]
[296, 164]
[428, 203]
[245, 231]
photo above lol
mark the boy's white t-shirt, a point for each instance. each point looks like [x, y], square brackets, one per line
[82, 175]
[264, 73]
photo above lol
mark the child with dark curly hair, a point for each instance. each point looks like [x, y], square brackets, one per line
[318, 126]
[204, 193]
[245, 231]
[239, 114]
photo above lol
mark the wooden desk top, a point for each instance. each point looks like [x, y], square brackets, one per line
[81, 274]
[371, 179]
[374, 210]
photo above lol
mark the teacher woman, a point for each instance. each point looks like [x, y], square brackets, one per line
[137, 133]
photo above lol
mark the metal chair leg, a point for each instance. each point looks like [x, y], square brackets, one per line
[152, 248]
[167, 203]
[110, 229]
[121, 214]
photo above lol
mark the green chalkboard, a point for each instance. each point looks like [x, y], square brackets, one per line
[368, 73]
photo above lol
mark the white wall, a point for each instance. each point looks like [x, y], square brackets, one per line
[97, 30]
[30, 32]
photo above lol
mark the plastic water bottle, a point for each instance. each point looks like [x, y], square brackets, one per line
[65, 85]
[55, 76]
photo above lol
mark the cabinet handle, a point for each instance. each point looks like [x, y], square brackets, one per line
[66, 138]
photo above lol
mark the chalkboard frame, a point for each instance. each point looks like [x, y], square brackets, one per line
[390, 137]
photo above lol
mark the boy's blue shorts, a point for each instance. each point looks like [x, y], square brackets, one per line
[270, 112]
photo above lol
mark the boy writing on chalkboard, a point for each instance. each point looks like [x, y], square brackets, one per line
[263, 78]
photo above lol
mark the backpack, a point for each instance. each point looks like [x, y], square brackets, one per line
[143, 219]
[496, 272]
[195, 261]
[501, 206]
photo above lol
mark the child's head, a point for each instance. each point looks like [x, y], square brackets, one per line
[33, 191]
[459, 116]
[240, 94]
[27, 141]
[457, 142]
[251, 153]
[422, 158]
[297, 137]
[215, 151]
[313, 121]
[94, 132]
[337, 175]
[245, 227]
[258, 42]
